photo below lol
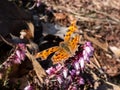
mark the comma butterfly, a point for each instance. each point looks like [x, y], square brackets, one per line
[66, 49]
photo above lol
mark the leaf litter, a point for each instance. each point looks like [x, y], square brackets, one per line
[98, 22]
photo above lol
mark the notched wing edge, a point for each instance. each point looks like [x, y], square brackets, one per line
[45, 53]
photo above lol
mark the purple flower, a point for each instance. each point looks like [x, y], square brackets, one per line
[81, 81]
[65, 72]
[81, 62]
[72, 72]
[59, 79]
[76, 65]
[29, 87]
[16, 57]
[22, 46]
[88, 51]
[69, 75]
[59, 66]
[50, 70]
[77, 72]
[69, 79]
[72, 88]
[85, 55]
[16, 60]
[19, 54]
[88, 48]
[38, 2]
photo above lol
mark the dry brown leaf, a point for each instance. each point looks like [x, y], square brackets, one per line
[103, 46]
[115, 50]
[60, 16]
[37, 67]
[31, 28]
[28, 34]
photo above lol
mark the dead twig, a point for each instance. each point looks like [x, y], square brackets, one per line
[4, 40]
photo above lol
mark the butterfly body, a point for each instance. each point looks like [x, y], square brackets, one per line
[65, 46]
[66, 49]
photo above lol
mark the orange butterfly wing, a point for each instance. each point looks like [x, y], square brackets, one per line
[45, 53]
[60, 55]
[74, 43]
[71, 30]
[66, 49]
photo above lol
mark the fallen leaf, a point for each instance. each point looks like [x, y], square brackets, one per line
[37, 67]
[60, 16]
[115, 50]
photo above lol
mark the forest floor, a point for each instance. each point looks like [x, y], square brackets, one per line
[98, 22]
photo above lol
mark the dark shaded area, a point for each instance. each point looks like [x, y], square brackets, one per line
[51, 40]
[12, 18]
[22, 69]
[105, 86]
[17, 71]
[4, 51]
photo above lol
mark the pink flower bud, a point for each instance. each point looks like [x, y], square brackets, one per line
[59, 78]
[50, 70]
[81, 62]
[76, 65]
[65, 72]
[29, 87]
[81, 81]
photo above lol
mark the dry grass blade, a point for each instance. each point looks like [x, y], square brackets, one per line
[96, 60]
[37, 68]
[108, 15]
[4, 40]
[103, 46]
[115, 87]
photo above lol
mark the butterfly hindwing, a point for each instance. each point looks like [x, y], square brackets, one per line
[60, 55]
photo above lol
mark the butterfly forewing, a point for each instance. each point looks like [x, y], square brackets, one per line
[71, 30]
[45, 53]
[74, 43]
